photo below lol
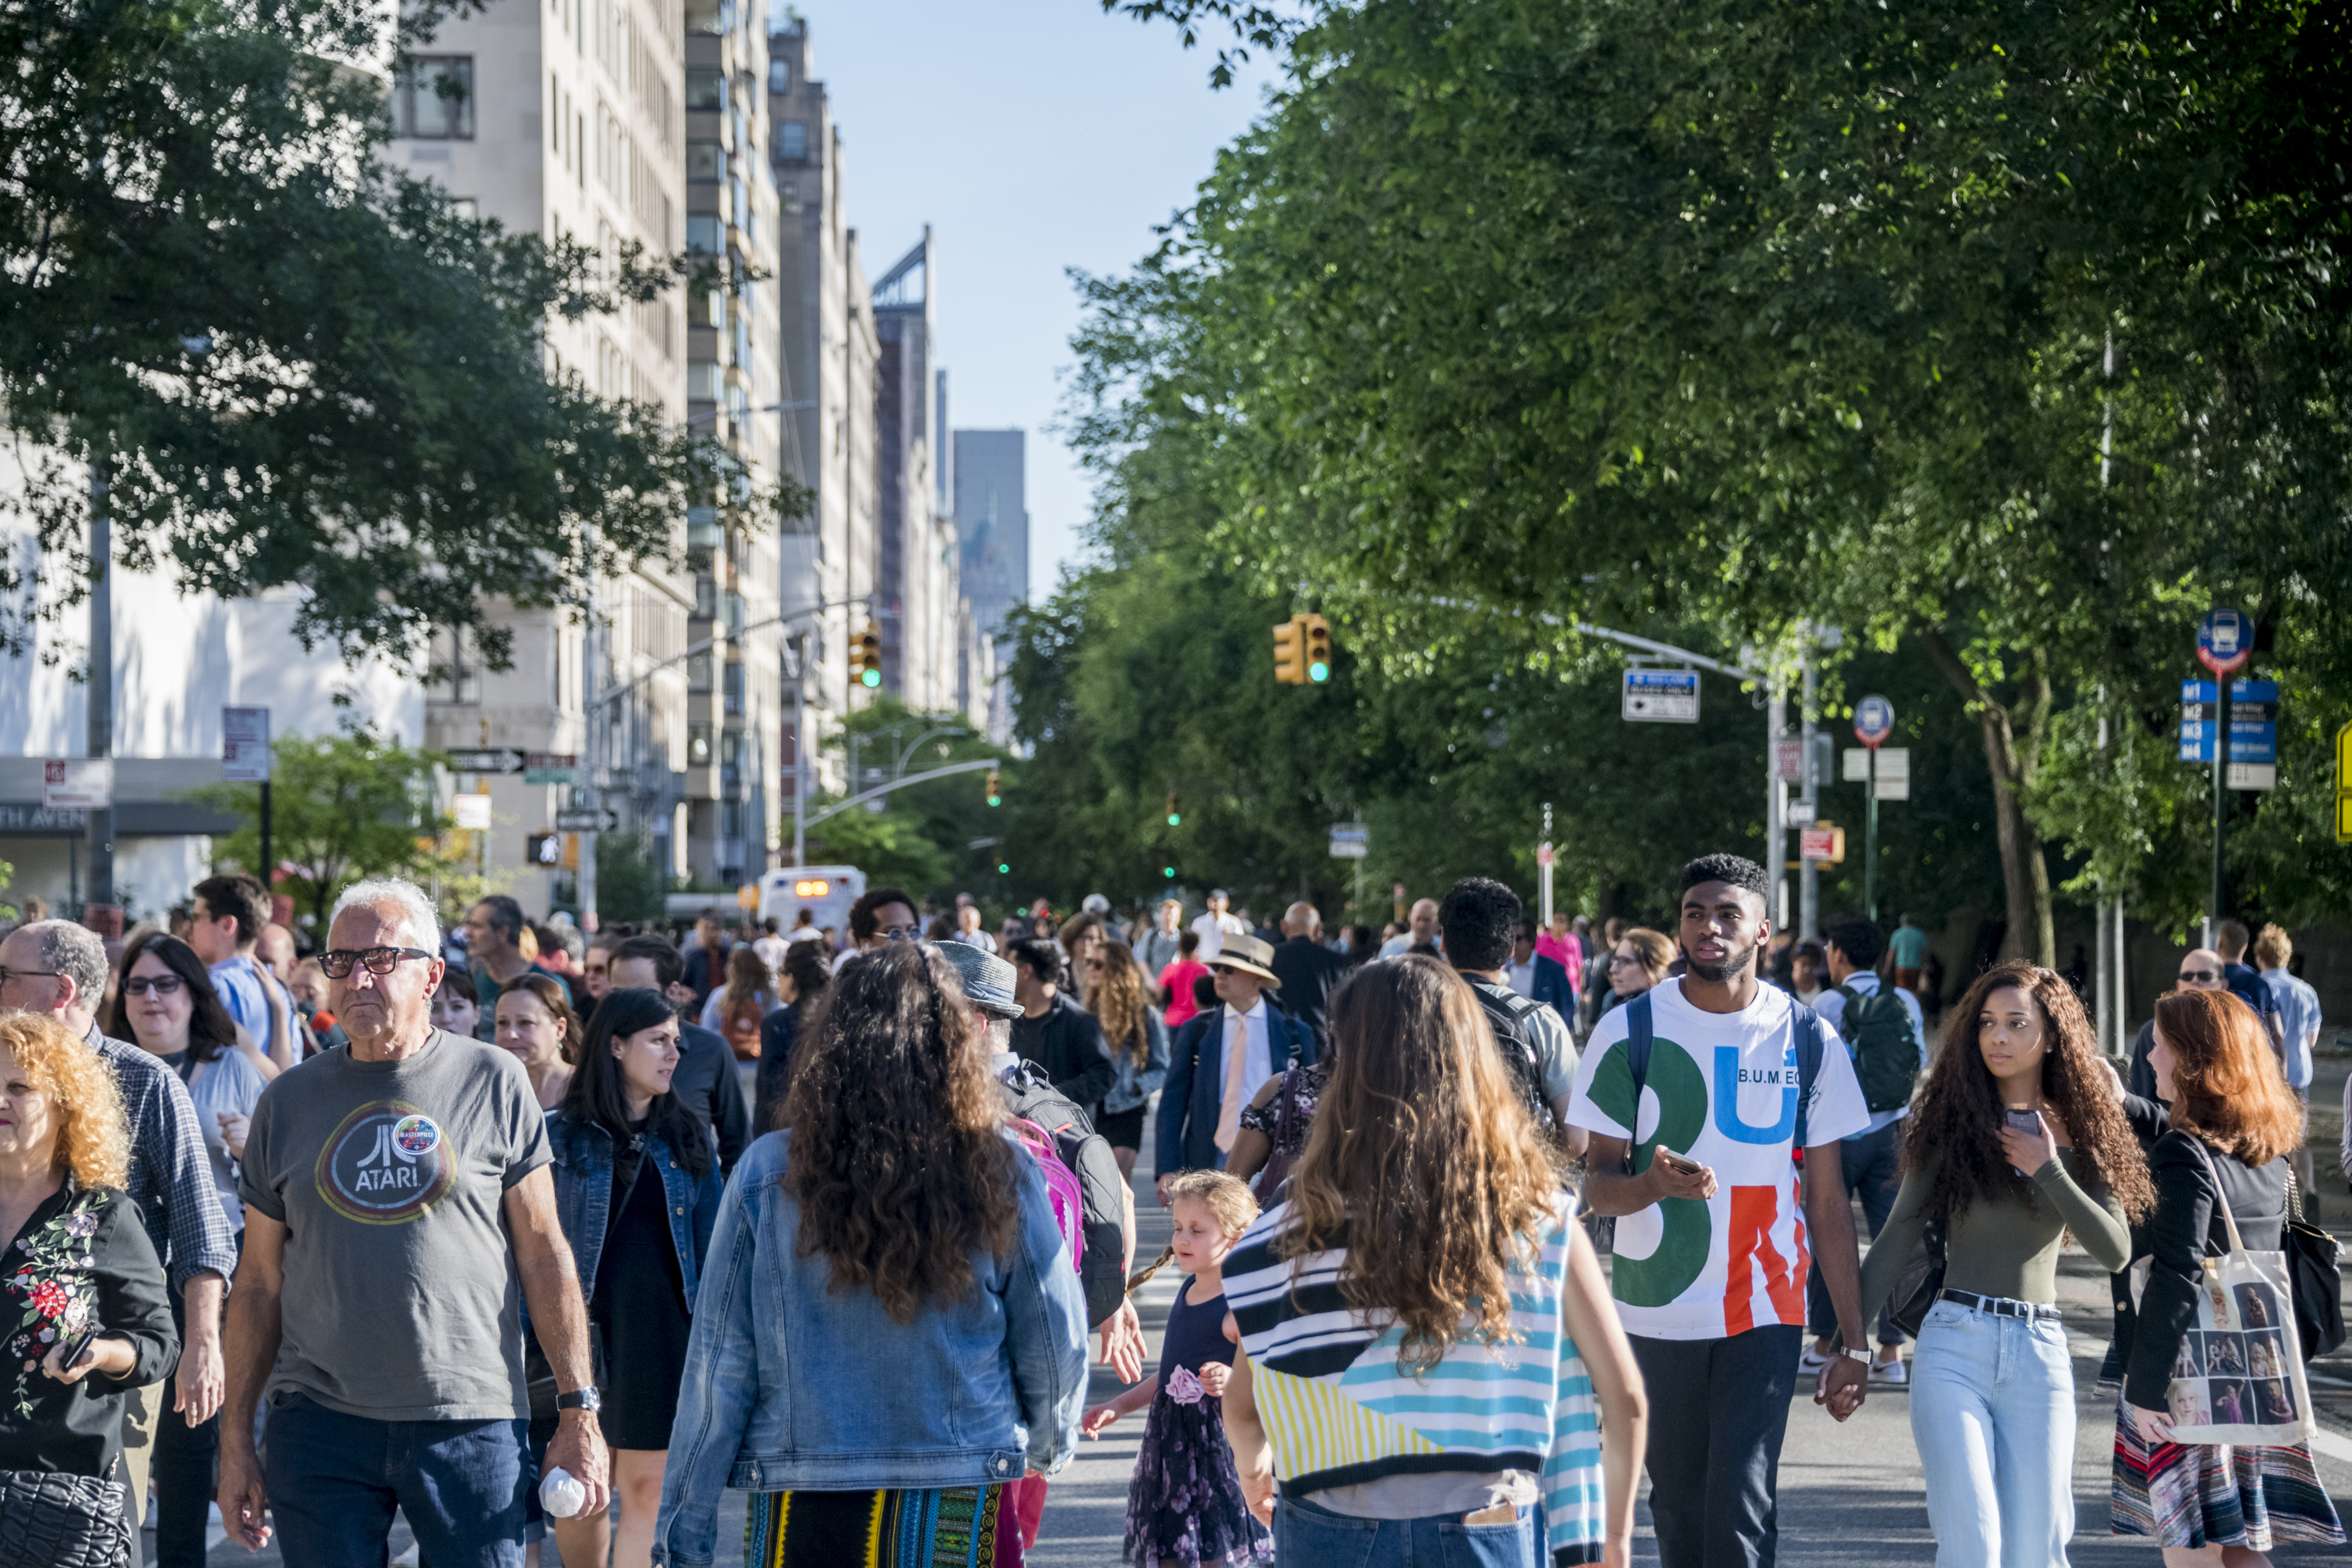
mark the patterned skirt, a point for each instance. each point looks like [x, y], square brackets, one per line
[1186, 1504]
[2196, 1495]
[945, 1527]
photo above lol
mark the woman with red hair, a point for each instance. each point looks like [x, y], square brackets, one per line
[2207, 1503]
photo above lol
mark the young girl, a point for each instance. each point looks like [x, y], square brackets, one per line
[1186, 1507]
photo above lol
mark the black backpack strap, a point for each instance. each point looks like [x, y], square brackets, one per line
[1637, 1055]
[1810, 1044]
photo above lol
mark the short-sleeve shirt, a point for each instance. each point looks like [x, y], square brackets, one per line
[1721, 1088]
[1910, 945]
[401, 1301]
[239, 989]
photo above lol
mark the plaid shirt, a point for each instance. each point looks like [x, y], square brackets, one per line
[171, 1177]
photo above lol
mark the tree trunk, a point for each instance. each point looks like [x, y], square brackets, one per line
[2011, 742]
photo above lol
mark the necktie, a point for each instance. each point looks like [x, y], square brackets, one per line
[1229, 1119]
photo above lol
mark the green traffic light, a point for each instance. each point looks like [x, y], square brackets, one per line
[996, 800]
[1003, 869]
[1168, 871]
[1319, 672]
[1175, 820]
[872, 678]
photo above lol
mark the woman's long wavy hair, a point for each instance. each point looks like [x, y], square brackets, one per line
[1117, 1003]
[898, 1160]
[211, 1030]
[93, 1139]
[2228, 1087]
[1422, 1161]
[1960, 1115]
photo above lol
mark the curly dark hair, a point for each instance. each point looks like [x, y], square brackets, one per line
[898, 1160]
[1959, 1115]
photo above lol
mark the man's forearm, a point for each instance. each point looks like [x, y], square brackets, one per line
[201, 1299]
[1616, 1192]
[1830, 1219]
[559, 1316]
[251, 1331]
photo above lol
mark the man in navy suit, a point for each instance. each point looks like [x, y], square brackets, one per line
[1222, 1057]
[1540, 978]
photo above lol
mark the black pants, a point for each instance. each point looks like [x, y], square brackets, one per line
[1718, 1409]
[186, 1473]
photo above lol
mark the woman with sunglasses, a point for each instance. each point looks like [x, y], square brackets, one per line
[165, 1002]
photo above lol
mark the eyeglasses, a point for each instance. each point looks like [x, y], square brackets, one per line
[1617, 958]
[338, 962]
[2198, 977]
[6, 973]
[901, 933]
[161, 985]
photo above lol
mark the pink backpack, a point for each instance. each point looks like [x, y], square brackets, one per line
[1060, 1186]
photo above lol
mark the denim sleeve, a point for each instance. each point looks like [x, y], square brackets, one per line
[716, 1394]
[1155, 1045]
[1045, 1330]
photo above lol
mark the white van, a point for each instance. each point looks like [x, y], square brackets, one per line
[825, 891]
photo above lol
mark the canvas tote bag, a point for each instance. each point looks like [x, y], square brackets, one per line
[2239, 1376]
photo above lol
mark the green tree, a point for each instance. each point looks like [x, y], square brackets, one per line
[342, 808]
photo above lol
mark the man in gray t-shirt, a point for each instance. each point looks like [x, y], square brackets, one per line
[398, 1215]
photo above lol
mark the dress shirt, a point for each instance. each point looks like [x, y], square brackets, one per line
[1245, 1042]
[2298, 1021]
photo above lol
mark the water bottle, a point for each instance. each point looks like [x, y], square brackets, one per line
[560, 1495]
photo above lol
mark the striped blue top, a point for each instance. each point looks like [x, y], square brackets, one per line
[1339, 1411]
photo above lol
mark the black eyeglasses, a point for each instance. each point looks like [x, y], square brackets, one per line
[338, 962]
[6, 973]
[161, 985]
[2198, 977]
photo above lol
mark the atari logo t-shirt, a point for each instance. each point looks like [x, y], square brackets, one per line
[401, 1299]
[1722, 1090]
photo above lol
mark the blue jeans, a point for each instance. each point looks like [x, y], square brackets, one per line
[334, 1481]
[1992, 1410]
[1306, 1536]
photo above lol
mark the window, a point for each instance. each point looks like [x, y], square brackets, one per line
[702, 381]
[697, 673]
[433, 98]
[698, 745]
[702, 234]
[709, 15]
[706, 89]
[705, 161]
[788, 197]
[734, 696]
[780, 76]
[792, 141]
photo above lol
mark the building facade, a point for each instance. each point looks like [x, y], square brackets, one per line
[992, 516]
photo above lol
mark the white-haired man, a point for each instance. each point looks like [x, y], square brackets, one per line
[60, 968]
[398, 1210]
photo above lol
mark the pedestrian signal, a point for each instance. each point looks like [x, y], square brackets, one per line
[1289, 666]
[1175, 817]
[1318, 648]
[995, 795]
[865, 657]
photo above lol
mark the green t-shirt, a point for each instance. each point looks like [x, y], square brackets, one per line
[401, 1301]
[1910, 945]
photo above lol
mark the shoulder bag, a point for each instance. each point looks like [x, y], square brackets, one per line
[62, 1521]
[2238, 1375]
[2315, 1274]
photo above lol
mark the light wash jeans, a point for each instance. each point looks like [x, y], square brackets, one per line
[1306, 1536]
[1992, 1410]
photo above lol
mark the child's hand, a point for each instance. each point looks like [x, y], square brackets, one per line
[1214, 1375]
[1093, 1421]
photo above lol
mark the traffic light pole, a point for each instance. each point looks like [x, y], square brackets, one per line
[882, 790]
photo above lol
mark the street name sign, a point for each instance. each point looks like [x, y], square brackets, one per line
[1661, 696]
[1351, 841]
[549, 767]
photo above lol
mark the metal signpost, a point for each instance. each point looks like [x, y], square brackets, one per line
[245, 759]
[2224, 644]
[1874, 721]
[2343, 785]
[1544, 859]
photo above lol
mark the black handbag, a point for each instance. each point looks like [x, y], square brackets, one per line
[51, 1520]
[1928, 1276]
[2315, 1279]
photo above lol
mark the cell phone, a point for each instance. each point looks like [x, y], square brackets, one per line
[2028, 1122]
[78, 1349]
[1674, 1161]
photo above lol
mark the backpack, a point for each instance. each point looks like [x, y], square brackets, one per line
[1877, 1028]
[1073, 1155]
[1507, 1015]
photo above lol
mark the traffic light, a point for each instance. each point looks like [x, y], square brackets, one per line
[865, 657]
[1290, 668]
[1003, 869]
[1175, 817]
[1168, 871]
[1318, 648]
[995, 795]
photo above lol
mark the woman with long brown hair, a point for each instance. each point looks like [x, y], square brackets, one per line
[1137, 1043]
[2233, 1123]
[1422, 1291]
[890, 1323]
[2016, 1139]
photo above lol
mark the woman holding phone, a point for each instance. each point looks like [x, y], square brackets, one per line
[2016, 1139]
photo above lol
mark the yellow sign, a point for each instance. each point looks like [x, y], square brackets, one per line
[2343, 785]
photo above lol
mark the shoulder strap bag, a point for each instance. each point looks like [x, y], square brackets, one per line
[2315, 1271]
[62, 1521]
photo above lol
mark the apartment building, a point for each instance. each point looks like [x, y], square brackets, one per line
[916, 561]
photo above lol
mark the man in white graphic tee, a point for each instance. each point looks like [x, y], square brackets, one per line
[1694, 1149]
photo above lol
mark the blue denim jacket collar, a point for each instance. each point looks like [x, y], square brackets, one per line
[584, 1196]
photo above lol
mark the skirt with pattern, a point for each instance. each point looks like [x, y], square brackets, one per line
[1185, 1503]
[2196, 1495]
[943, 1527]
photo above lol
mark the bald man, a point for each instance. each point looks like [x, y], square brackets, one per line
[1309, 971]
[2201, 969]
[1420, 929]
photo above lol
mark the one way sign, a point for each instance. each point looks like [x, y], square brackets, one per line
[586, 819]
[493, 760]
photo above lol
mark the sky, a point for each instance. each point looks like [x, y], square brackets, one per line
[1033, 136]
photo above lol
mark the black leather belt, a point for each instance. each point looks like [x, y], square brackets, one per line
[1999, 1306]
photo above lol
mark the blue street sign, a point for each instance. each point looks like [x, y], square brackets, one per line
[1873, 721]
[2255, 741]
[2224, 641]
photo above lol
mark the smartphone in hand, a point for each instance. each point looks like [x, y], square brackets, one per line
[2028, 1122]
[1683, 1164]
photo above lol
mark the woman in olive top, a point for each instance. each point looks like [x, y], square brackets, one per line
[2016, 1139]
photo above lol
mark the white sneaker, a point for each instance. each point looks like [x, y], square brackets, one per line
[1809, 1360]
[1896, 1373]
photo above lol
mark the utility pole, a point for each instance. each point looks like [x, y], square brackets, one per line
[584, 879]
[2113, 1012]
[800, 750]
[1543, 873]
[1776, 805]
[1808, 874]
[101, 674]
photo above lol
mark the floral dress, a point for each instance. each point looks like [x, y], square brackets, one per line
[1186, 1502]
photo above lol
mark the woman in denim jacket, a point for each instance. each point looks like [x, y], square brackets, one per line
[1137, 1043]
[637, 1186]
[890, 1332]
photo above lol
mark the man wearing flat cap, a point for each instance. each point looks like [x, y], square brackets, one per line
[1221, 1058]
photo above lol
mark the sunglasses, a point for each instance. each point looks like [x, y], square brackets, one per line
[338, 962]
[2198, 977]
[160, 985]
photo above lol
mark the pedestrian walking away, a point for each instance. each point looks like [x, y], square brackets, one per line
[398, 1210]
[1885, 1035]
[734, 1011]
[890, 1334]
[1480, 919]
[2018, 1141]
[637, 1188]
[2229, 1127]
[1708, 1272]
[1185, 1507]
[1137, 1043]
[1431, 1370]
[1219, 1061]
[1176, 981]
[1908, 947]
[800, 987]
[2299, 1019]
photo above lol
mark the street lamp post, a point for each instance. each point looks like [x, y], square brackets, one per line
[101, 674]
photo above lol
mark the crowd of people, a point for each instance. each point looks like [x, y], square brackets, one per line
[524, 1232]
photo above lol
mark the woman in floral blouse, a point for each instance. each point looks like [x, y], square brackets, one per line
[77, 1259]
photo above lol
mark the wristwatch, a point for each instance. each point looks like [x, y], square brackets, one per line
[586, 1399]
[1846, 1351]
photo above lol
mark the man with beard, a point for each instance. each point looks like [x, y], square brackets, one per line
[1710, 1271]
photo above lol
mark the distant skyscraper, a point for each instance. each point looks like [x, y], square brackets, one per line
[991, 513]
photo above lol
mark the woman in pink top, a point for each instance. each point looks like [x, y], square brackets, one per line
[1176, 981]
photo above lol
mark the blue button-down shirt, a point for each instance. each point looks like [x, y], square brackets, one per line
[2298, 1020]
[171, 1175]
